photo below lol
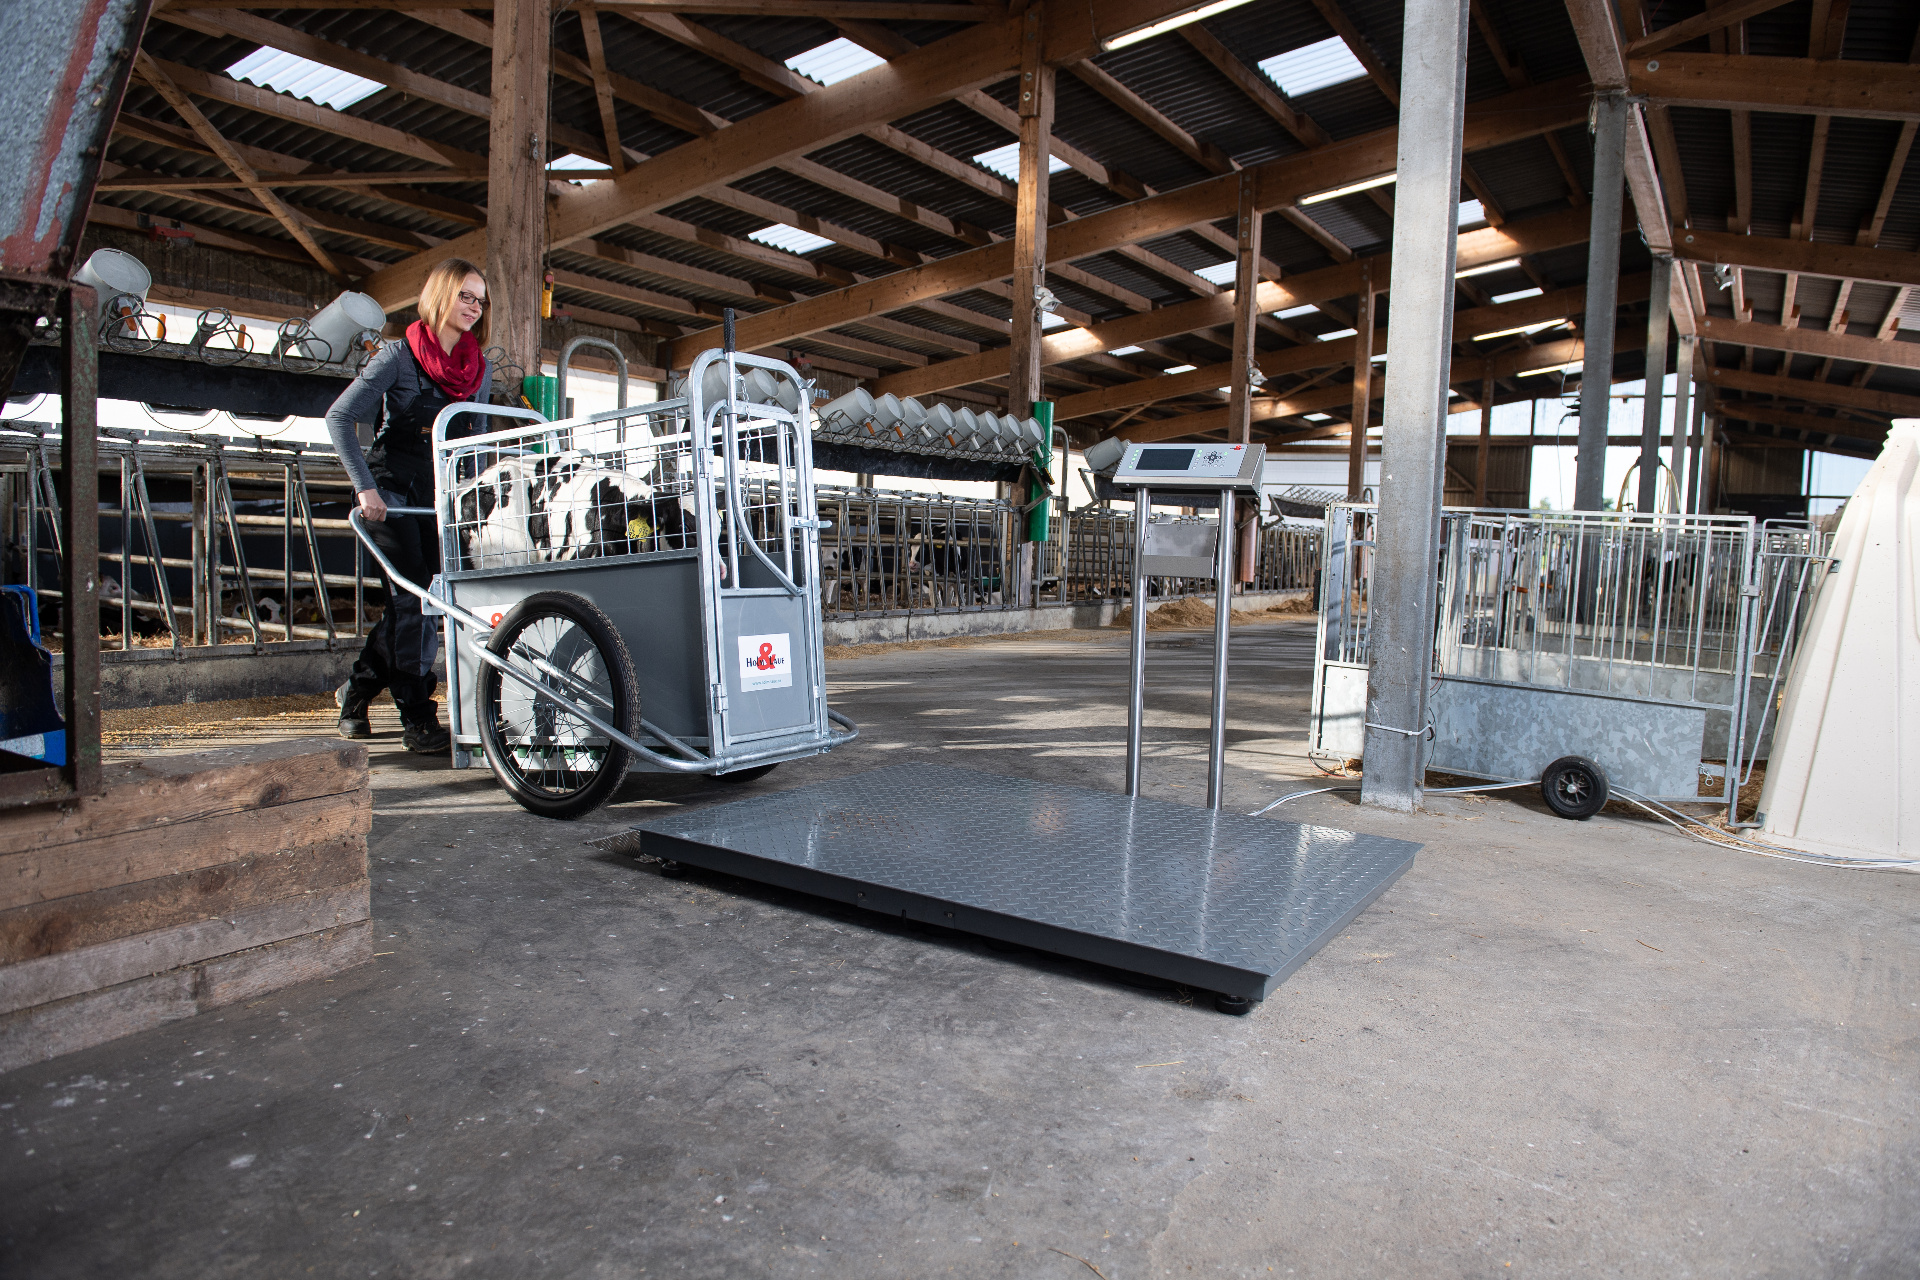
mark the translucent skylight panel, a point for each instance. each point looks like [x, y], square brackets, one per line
[1338, 334]
[1471, 211]
[588, 168]
[1180, 368]
[1048, 320]
[1319, 417]
[288, 73]
[792, 239]
[834, 61]
[1313, 66]
[1291, 312]
[1517, 295]
[1126, 351]
[1005, 161]
[1221, 273]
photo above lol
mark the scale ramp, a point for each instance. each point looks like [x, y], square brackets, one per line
[1218, 901]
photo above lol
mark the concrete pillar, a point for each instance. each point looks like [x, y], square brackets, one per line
[1246, 315]
[1659, 300]
[1682, 417]
[1413, 450]
[1603, 290]
[1362, 412]
[516, 178]
[1697, 451]
[1030, 217]
[1486, 442]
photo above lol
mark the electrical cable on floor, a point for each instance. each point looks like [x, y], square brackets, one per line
[1681, 822]
[1684, 822]
[1432, 791]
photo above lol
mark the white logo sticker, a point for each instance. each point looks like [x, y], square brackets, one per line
[766, 662]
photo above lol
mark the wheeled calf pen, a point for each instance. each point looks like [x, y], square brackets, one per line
[634, 588]
[1588, 651]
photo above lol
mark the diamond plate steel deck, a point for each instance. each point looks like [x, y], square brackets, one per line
[1218, 901]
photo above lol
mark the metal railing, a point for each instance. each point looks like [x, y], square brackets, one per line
[218, 541]
[892, 551]
[208, 541]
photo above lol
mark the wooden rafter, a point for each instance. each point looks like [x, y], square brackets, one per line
[1766, 253]
[1839, 395]
[177, 98]
[1467, 325]
[299, 111]
[1716, 18]
[1492, 244]
[1517, 78]
[1750, 411]
[1814, 342]
[1869, 90]
[1283, 181]
[602, 88]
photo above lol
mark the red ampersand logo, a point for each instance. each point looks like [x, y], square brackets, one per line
[766, 661]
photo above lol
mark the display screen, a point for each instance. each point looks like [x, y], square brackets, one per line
[1164, 460]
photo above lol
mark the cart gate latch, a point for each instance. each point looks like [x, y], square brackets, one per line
[823, 526]
[719, 696]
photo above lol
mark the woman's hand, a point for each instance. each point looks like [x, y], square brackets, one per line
[371, 506]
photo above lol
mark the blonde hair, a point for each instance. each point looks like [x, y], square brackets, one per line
[442, 288]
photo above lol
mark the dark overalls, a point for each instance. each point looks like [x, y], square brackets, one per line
[401, 647]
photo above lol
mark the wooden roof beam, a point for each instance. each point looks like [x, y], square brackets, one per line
[1766, 253]
[1840, 395]
[1866, 90]
[1813, 342]
[1716, 18]
[1283, 181]
[1535, 235]
[177, 98]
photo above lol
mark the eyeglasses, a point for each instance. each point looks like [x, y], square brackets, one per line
[473, 300]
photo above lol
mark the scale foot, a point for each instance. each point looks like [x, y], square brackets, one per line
[672, 870]
[1238, 1006]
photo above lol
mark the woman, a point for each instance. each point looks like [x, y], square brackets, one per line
[401, 389]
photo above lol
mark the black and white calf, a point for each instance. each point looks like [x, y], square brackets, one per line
[566, 506]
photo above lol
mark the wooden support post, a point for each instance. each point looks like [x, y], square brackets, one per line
[79, 492]
[1030, 216]
[1486, 442]
[1362, 386]
[516, 178]
[1246, 314]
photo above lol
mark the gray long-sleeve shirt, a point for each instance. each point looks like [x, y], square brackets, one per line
[391, 374]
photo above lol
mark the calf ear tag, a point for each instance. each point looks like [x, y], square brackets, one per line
[638, 528]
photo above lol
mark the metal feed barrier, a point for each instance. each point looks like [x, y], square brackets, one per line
[210, 541]
[221, 539]
[1656, 646]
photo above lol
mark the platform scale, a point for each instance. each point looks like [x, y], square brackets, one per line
[1200, 897]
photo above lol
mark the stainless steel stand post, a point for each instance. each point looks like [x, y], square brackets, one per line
[1137, 672]
[1222, 621]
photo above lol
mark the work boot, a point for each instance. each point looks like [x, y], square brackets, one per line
[353, 712]
[426, 739]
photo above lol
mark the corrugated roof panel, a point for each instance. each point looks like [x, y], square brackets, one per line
[1858, 155]
[1705, 141]
[1781, 32]
[1109, 135]
[1781, 144]
[1171, 76]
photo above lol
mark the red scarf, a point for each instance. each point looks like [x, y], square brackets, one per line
[458, 372]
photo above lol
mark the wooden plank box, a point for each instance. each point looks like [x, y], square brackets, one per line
[192, 882]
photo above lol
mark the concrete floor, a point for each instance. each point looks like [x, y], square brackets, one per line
[1551, 1049]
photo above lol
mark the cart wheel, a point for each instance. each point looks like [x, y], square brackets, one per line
[752, 773]
[548, 758]
[1574, 787]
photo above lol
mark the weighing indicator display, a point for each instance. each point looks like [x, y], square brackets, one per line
[1218, 465]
